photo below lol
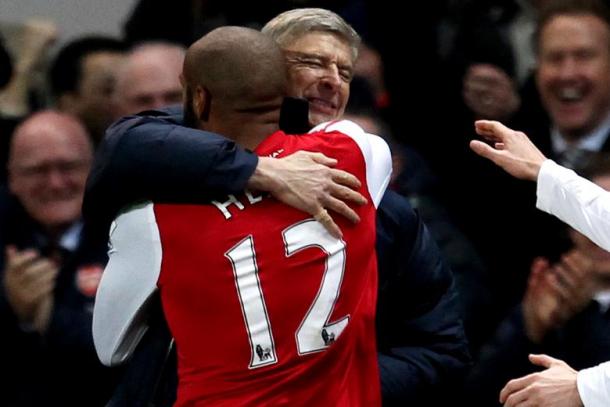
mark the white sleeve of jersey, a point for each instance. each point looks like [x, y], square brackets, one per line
[376, 154]
[128, 282]
[594, 385]
[576, 201]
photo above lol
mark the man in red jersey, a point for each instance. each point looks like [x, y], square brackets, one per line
[265, 306]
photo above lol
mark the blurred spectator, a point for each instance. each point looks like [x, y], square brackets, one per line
[149, 78]
[369, 66]
[82, 80]
[494, 54]
[34, 41]
[46, 294]
[573, 79]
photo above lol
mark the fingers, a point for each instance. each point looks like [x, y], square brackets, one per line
[342, 208]
[491, 129]
[566, 276]
[484, 150]
[18, 259]
[557, 288]
[346, 194]
[28, 269]
[320, 158]
[544, 360]
[536, 274]
[345, 178]
[579, 263]
[325, 219]
[514, 386]
[539, 264]
[518, 399]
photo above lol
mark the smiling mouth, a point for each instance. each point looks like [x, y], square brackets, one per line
[322, 105]
[570, 95]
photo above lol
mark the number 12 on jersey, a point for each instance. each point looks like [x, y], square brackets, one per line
[315, 333]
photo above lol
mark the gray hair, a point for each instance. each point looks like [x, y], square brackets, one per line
[290, 25]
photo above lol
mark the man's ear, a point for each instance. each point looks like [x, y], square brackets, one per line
[202, 101]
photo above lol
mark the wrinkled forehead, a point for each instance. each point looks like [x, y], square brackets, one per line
[327, 44]
[55, 142]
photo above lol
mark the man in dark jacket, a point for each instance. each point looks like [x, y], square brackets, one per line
[47, 290]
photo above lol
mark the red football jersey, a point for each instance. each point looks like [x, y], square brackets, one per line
[266, 307]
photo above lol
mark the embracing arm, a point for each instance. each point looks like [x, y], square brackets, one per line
[156, 158]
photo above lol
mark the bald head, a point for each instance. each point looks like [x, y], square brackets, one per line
[48, 128]
[241, 69]
[49, 160]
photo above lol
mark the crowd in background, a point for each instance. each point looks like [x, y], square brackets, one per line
[526, 283]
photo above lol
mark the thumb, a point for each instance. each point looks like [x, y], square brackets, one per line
[544, 360]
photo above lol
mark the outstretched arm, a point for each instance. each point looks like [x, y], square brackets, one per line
[560, 192]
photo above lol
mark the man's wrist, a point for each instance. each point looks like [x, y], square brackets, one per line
[262, 178]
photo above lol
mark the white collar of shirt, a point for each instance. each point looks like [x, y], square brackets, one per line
[71, 237]
[603, 299]
[591, 142]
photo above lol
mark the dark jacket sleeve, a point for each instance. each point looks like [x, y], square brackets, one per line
[154, 157]
[421, 341]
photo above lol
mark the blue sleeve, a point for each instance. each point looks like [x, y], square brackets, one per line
[156, 158]
[422, 346]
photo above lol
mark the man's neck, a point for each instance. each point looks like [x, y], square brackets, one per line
[579, 136]
[255, 135]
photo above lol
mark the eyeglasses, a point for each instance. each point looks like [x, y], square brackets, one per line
[319, 63]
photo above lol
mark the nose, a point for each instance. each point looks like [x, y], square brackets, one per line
[568, 68]
[331, 78]
[55, 178]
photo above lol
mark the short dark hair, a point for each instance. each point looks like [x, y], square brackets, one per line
[554, 8]
[66, 70]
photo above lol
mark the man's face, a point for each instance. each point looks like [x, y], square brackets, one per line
[149, 85]
[92, 101]
[320, 69]
[47, 173]
[574, 72]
